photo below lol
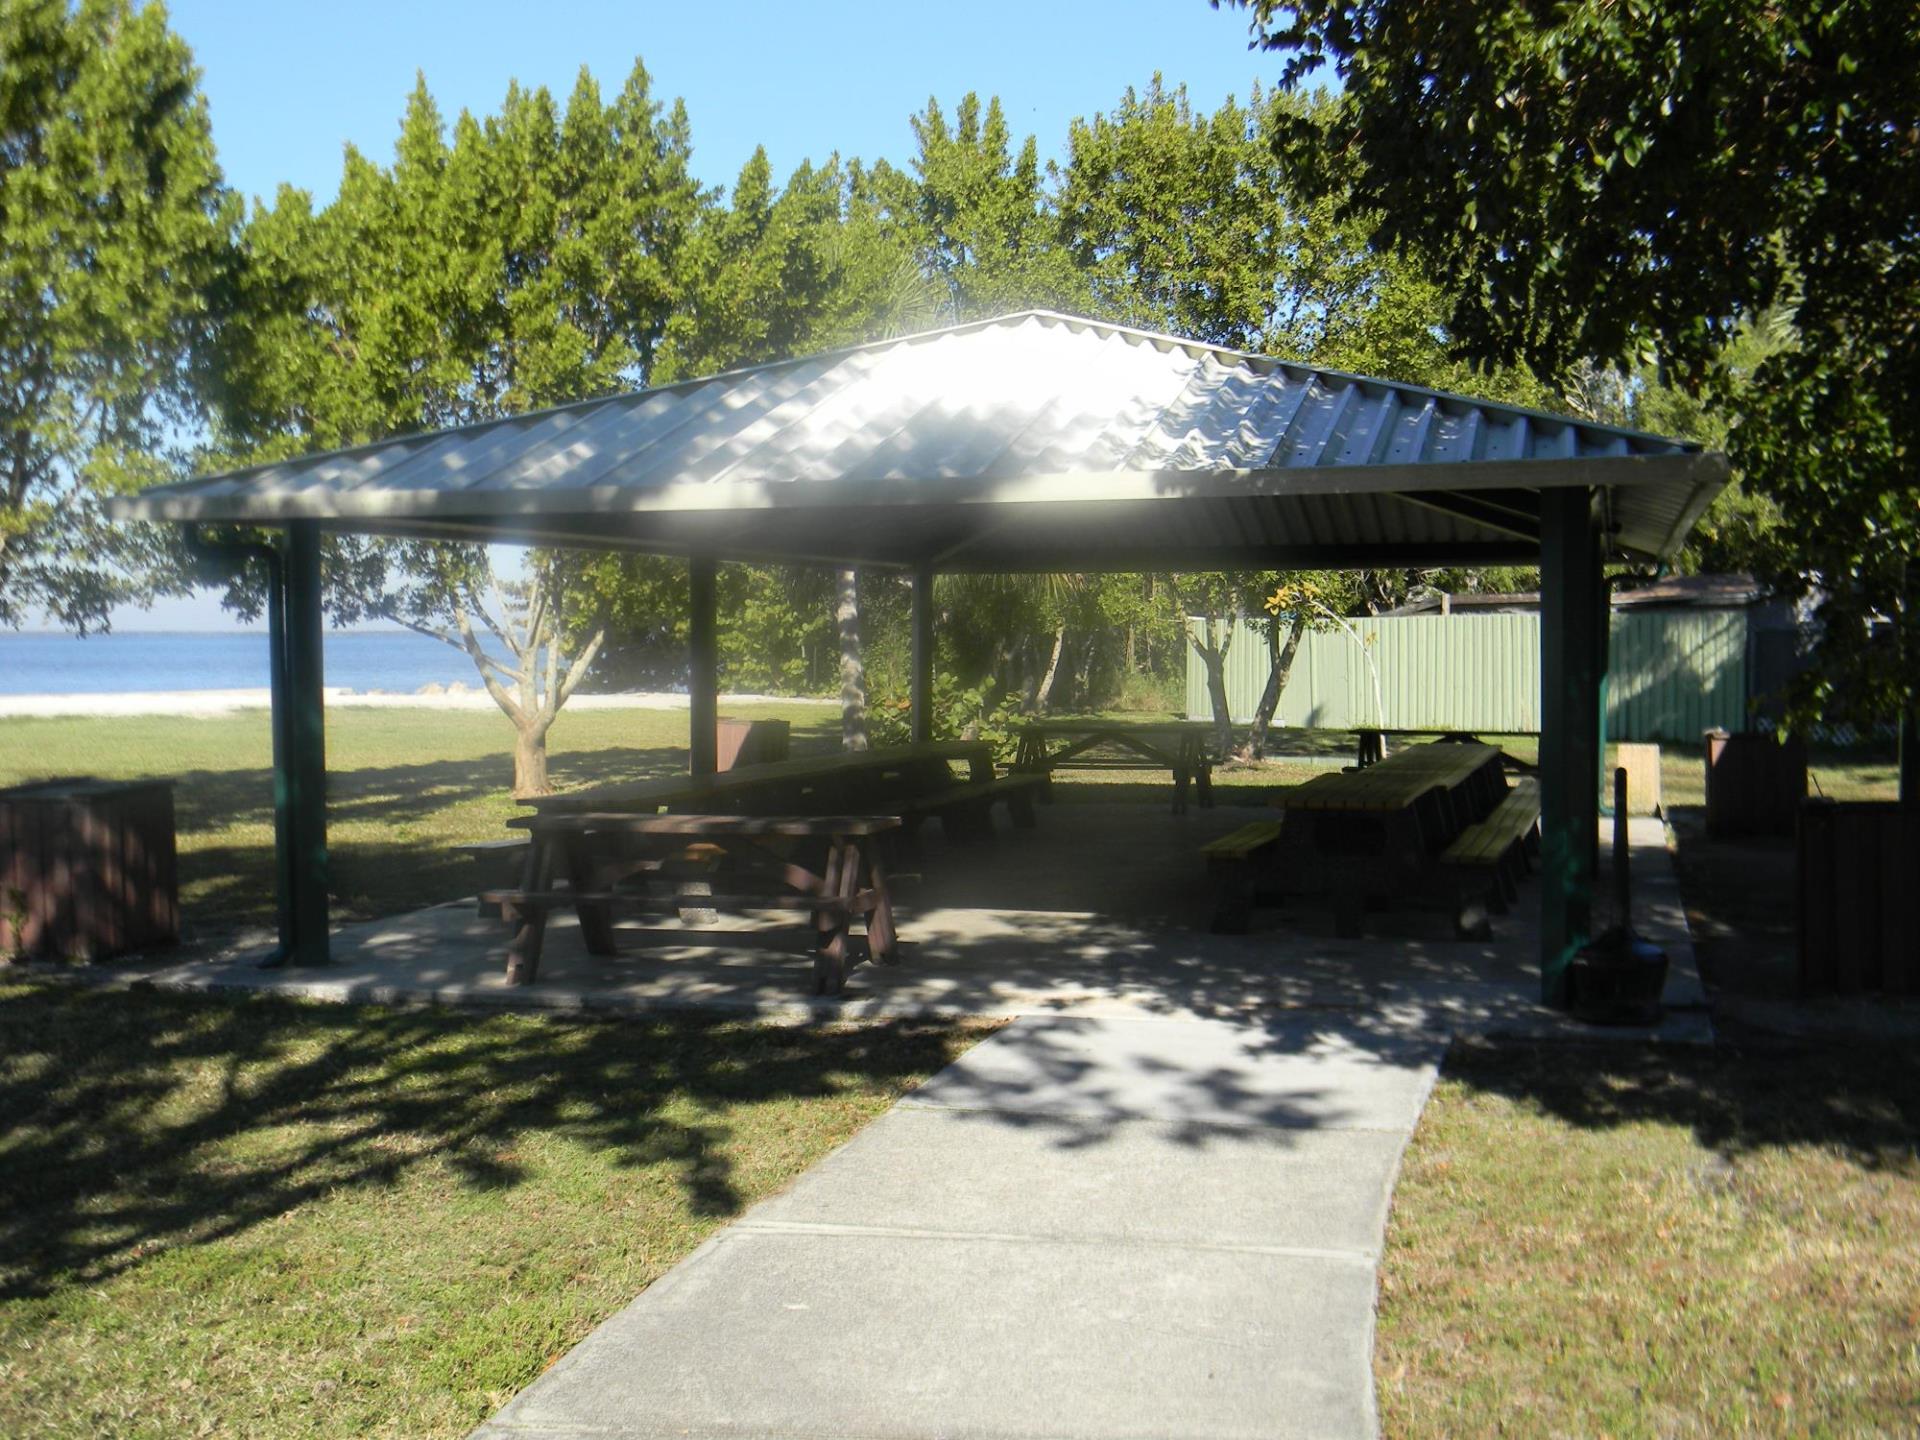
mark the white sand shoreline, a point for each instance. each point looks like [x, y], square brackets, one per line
[202, 703]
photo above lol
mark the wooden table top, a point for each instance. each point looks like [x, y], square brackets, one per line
[1395, 783]
[711, 825]
[682, 789]
[1115, 727]
[1441, 757]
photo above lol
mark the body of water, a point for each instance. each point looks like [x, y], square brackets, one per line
[392, 660]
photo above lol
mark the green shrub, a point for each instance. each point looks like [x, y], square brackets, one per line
[959, 713]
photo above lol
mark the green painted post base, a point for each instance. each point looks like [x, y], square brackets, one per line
[1573, 643]
[703, 666]
[304, 707]
[923, 642]
[1910, 758]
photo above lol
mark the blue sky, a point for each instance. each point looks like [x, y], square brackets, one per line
[289, 84]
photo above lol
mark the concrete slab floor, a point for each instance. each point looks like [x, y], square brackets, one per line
[1099, 911]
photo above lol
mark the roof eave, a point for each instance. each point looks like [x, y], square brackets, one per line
[1705, 473]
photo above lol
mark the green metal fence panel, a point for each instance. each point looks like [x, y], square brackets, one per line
[1674, 673]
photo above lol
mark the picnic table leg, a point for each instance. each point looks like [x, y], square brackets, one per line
[1349, 907]
[880, 932]
[829, 882]
[529, 921]
[1202, 775]
[830, 924]
[1179, 789]
[1032, 756]
[587, 867]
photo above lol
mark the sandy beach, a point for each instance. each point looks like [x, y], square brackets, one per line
[226, 702]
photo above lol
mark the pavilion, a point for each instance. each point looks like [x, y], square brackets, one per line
[1030, 442]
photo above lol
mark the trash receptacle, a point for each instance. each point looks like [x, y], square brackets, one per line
[750, 742]
[1755, 783]
[87, 868]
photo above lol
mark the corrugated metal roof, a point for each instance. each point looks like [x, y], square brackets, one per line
[1032, 441]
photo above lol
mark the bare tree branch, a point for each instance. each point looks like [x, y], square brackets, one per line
[577, 671]
[494, 688]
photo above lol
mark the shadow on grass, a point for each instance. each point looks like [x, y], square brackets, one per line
[120, 1146]
[213, 800]
[1741, 907]
[1860, 1099]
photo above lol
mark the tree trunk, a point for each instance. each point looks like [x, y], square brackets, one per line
[1044, 692]
[1213, 654]
[1277, 676]
[1216, 662]
[530, 762]
[853, 671]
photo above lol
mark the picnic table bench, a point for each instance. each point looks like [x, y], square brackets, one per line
[1487, 859]
[1178, 746]
[827, 866]
[1379, 833]
[1233, 863]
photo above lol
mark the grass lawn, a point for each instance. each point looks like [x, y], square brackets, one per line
[1631, 1241]
[259, 1217]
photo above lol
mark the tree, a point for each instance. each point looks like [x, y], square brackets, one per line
[776, 273]
[518, 632]
[1300, 601]
[113, 231]
[853, 671]
[532, 261]
[1176, 218]
[1220, 603]
[780, 272]
[980, 215]
[1636, 183]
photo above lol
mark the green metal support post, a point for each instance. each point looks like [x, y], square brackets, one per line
[272, 559]
[1910, 717]
[922, 684]
[1910, 758]
[305, 708]
[1573, 643]
[703, 667]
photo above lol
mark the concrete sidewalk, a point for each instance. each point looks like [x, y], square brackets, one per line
[1087, 1227]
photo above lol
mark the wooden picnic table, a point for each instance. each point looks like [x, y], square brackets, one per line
[1370, 743]
[1377, 833]
[845, 781]
[828, 866]
[807, 833]
[1179, 746]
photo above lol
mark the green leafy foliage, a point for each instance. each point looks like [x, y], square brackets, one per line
[774, 273]
[960, 712]
[113, 232]
[1645, 184]
[980, 215]
[549, 252]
